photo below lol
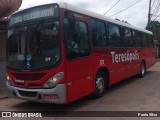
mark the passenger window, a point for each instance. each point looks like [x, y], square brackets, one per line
[76, 38]
[99, 37]
[127, 39]
[150, 41]
[114, 39]
[136, 38]
[143, 40]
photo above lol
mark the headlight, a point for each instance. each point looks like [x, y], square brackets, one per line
[53, 81]
[8, 80]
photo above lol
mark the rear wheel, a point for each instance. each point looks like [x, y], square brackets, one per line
[100, 85]
[142, 70]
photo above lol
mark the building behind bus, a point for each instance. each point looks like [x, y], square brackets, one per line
[7, 7]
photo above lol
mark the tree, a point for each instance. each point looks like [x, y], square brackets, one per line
[154, 26]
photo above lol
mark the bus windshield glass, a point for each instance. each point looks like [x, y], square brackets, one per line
[34, 45]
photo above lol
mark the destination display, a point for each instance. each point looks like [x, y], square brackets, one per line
[35, 13]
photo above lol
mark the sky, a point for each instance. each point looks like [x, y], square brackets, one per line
[136, 15]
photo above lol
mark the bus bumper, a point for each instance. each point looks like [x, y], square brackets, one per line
[55, 95]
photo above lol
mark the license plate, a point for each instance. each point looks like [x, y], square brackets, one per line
[50, 97]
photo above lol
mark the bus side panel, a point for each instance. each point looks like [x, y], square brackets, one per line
[136, 64]
[79, 78]
[129, 66]
[124, 68]
[78, 89]
[103, 57]
[117, 70]
[151, 57]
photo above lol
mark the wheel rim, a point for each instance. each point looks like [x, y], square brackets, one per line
[100, 84]
[142, 69]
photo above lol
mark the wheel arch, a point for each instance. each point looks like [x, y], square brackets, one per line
[144, 61]
[142, 70]
[105, 70]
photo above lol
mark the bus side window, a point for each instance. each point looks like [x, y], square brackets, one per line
[81, 35]
[114, 37]
[127, 38]
[150, 41]
[99, 38]
[143, 40]
[76, 38]
[136, 38]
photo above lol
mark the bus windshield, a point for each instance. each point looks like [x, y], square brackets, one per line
[33, 46]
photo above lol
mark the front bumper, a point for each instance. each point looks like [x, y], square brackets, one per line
[55, 95]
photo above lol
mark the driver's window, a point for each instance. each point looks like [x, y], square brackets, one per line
[76, 38]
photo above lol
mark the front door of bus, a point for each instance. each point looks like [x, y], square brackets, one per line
[78, 67]
[78, 75]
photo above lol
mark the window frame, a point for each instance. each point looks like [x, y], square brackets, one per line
[75, 49]
[120, 37]
[134, 41]
[144, 42]
[149, 39]
[131, 37]
[106, 32]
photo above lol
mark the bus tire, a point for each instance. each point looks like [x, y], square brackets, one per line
[142, 70]
[100, 85]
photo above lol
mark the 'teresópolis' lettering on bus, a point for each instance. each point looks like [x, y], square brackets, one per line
[124, 57]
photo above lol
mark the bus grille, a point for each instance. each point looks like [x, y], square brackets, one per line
[29, 86]
[28, 76]
[27, 94]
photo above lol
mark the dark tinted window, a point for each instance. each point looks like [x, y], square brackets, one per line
[137, 39]
[34, 46]
[127, 38]
[76, 38]
[113, 35]
[143, 40]
[98, 34]
[150, 41]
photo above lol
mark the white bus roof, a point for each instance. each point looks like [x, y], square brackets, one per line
[98, 16]
[94, 15]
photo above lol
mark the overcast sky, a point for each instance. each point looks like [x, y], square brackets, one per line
[137, 15]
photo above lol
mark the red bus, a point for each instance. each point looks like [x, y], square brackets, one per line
[58, 53]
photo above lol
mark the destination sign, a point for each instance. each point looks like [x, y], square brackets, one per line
[35, 13]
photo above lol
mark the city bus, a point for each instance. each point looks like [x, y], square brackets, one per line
[58, 53]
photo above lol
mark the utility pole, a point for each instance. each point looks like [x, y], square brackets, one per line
[149, 13]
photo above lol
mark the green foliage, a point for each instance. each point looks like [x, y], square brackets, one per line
[154, 26]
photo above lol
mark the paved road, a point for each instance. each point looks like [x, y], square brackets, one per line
[133, 94]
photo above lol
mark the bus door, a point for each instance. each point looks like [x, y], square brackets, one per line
[78, 67]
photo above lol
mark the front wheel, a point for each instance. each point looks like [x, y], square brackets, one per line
[100, 85]
[142, 70]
